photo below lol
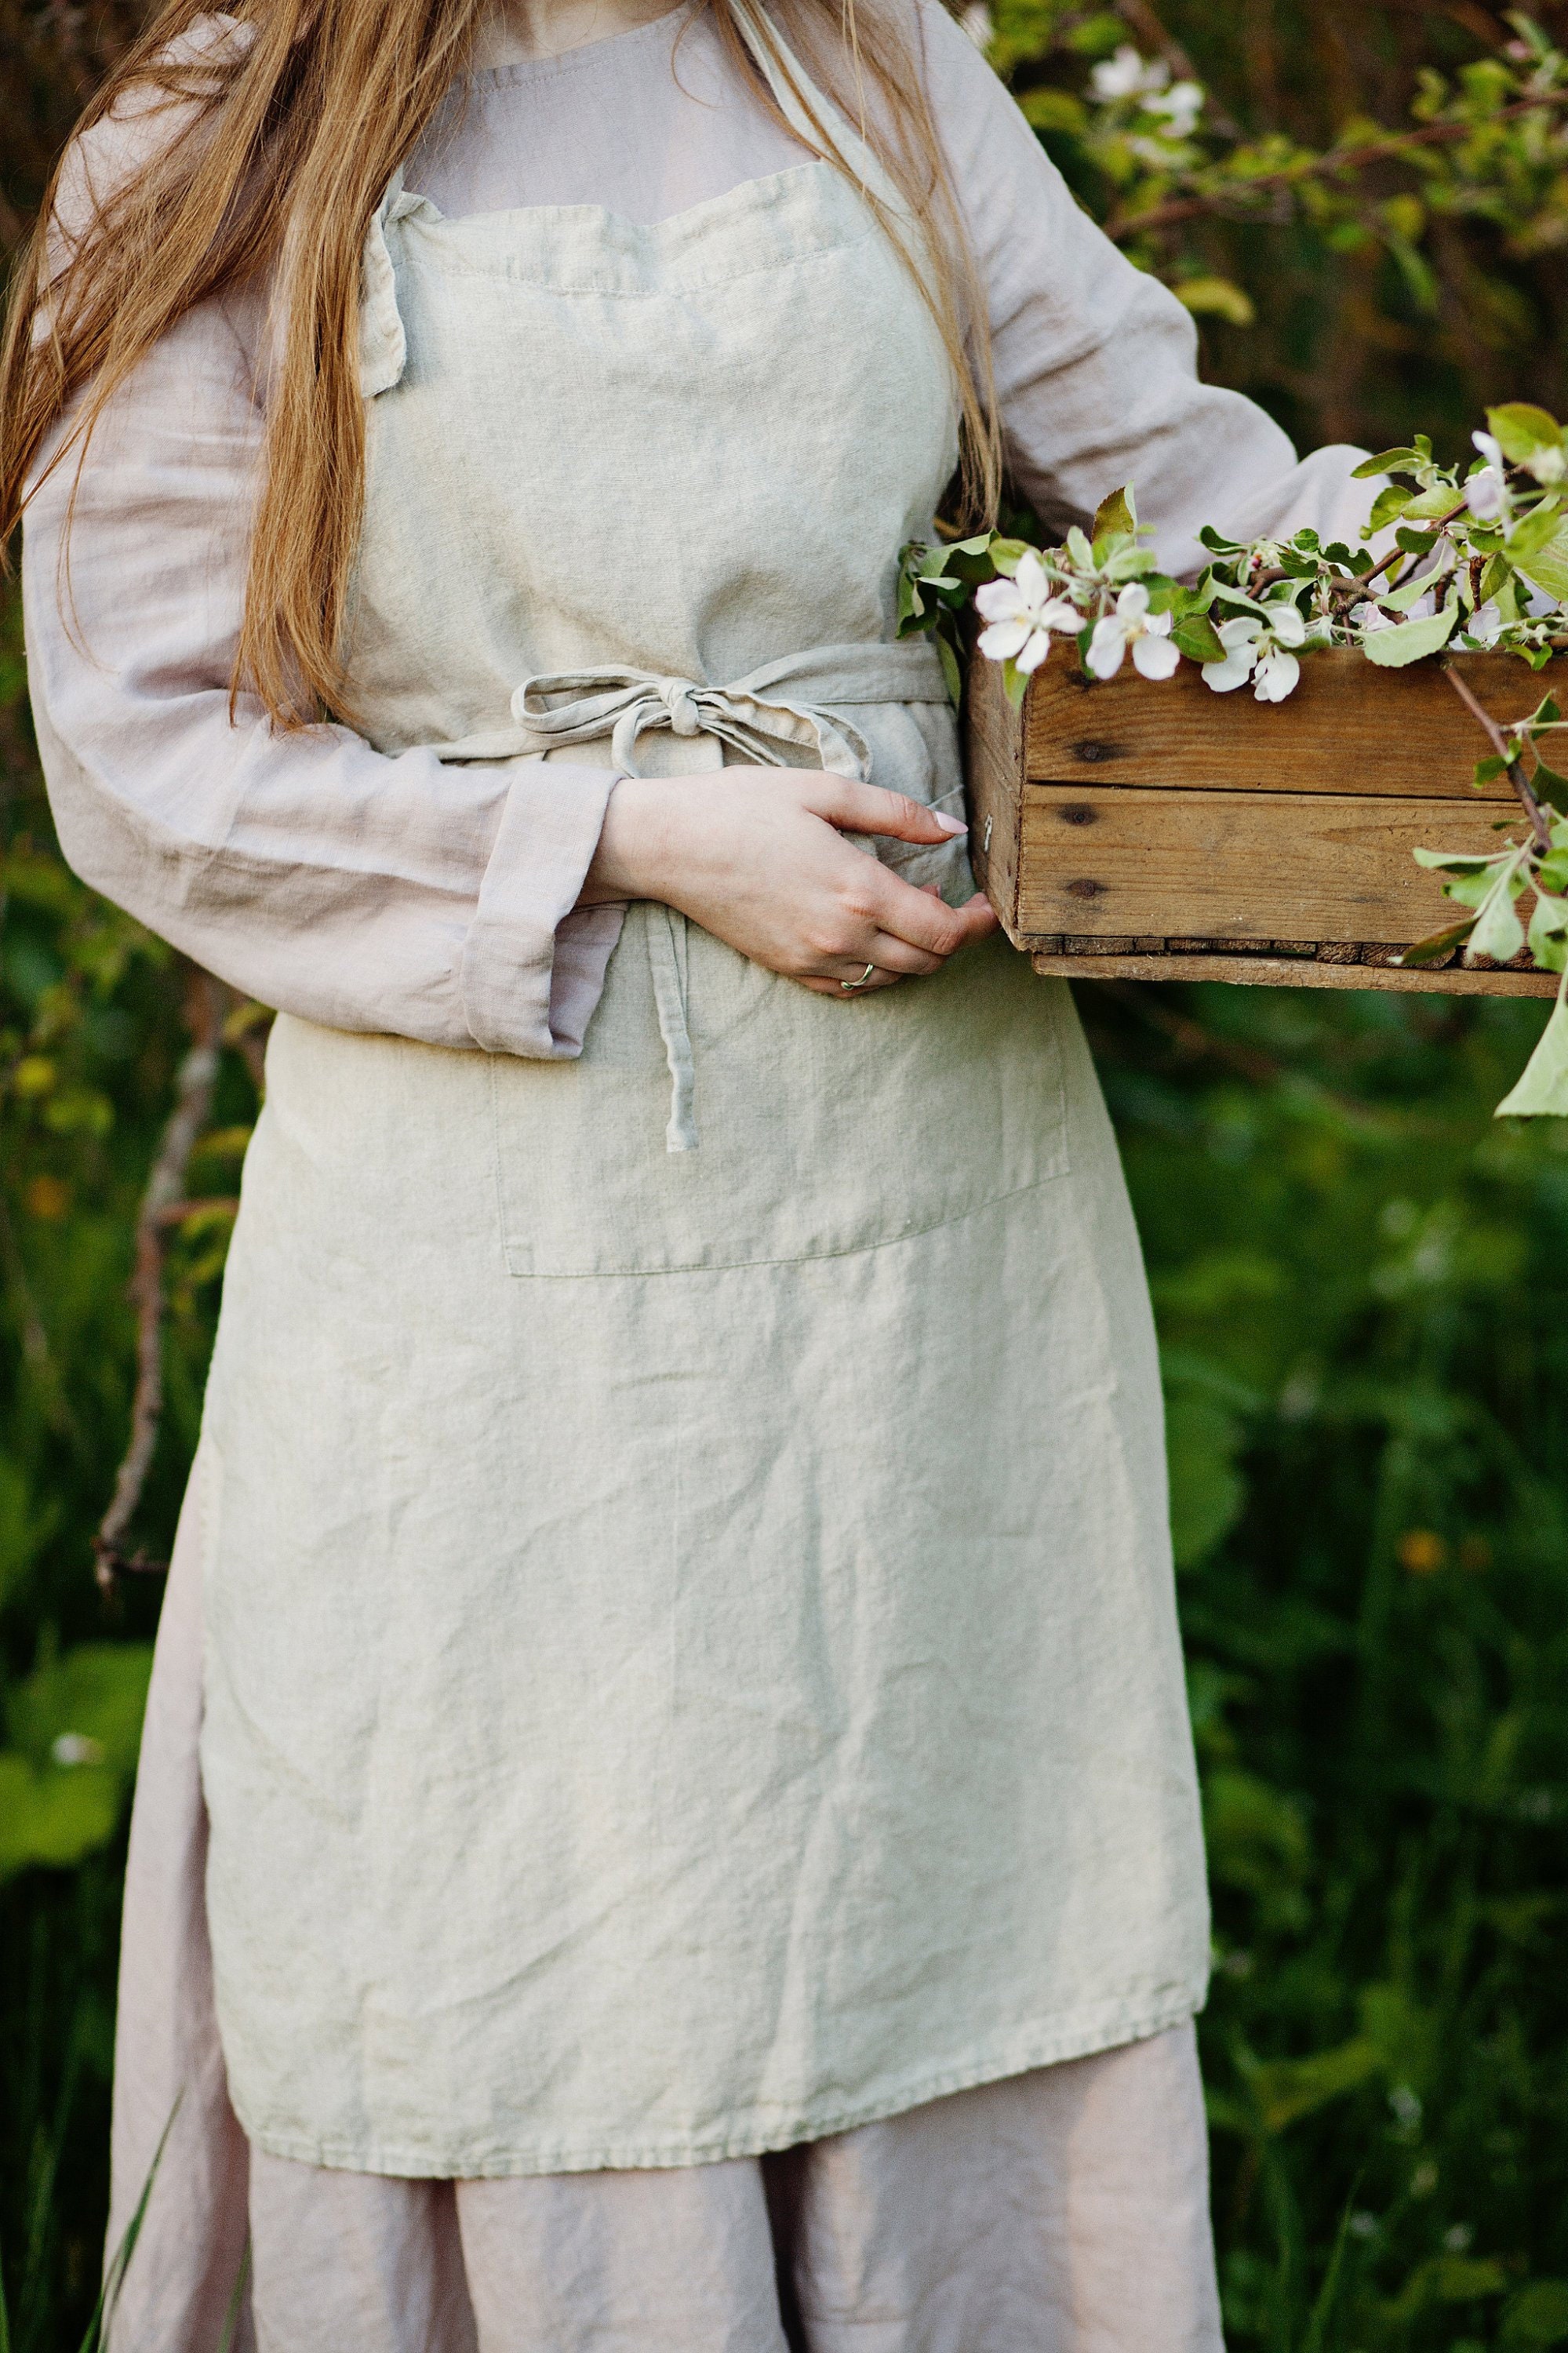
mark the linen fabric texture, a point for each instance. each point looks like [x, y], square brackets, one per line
[691, 1658]
[1061, 2212]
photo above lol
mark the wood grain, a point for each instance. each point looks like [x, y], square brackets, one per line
[994, 774]
[1348, 728]
[1283, 972]
[1133, 863]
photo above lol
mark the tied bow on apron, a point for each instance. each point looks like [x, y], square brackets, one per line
[793, 705]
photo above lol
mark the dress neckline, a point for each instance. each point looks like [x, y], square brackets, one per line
[520, 71]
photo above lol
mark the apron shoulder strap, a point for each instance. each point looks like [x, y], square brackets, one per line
[809, 112]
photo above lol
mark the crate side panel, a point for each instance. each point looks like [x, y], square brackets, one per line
[1348, 728]
[1236, 866]
[1282, 972]
[994, 770]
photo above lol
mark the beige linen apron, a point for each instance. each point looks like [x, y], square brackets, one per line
[691, 1661]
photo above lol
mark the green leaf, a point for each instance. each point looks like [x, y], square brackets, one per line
[54, 1817]
[97, 1692]
[1489, 770]
[1288, 2089]
[1408, 593]
[1203, 1440]
[1542, 1089]
[1216, 297]
[1534, 532]
[1054, 110]
[1117, 513]
[1498, 934]
[1411, 641]
[1547, 566]
[1431, 505]
[1523, 431]
[1435, 944]
[1549, 786]
[1197, 638]
[1392, 461]
[1387, 506]
[1016, 683]
[1079, 549]
[1537, 2315]
[1007, 555]
[1547, 938]
[1459, 861]
[950, 670]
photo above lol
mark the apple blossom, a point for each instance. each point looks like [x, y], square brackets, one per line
[1024, 613]
[1132, 624]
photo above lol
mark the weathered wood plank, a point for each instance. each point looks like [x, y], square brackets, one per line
[1348, 728]
[1244, 866]
[994, 775]
[1292, 972]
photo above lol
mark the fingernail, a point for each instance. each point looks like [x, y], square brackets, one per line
[949, 824]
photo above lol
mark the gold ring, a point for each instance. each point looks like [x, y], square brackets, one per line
[866, 975]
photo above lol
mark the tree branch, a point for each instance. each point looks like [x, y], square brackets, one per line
[1337, 159]
[1516, 775]
[165, 1195]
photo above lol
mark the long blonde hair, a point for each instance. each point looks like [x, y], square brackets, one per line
[289, 132]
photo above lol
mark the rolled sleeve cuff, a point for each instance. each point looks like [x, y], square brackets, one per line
[534, 962]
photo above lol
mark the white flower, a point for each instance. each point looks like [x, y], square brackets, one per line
[1023, 614]
[75, 1749]
[1259, 650]
[1132, 624]
[1275, 676]
[1485, 625]
[1485, 494]
[1370, 618]
[1180, 105]
[1239, 639]
[1423, 608]
[1126, 75]
[1491, 449]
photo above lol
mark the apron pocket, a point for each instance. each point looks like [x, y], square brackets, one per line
[823, 1128]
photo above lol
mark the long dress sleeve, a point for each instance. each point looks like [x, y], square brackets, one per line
[363, 890]
[1095, 361]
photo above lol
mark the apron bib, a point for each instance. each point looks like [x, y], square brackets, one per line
[691, 1657]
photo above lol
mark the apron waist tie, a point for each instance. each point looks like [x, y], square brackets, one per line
[792, 705]
[669, 940]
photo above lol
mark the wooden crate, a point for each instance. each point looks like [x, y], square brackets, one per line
[1155, 830]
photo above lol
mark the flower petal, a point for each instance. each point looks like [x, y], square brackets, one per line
[1004, 640]
[1240, 632]
[1107, 648]
[1033, 587]
[1060, 616]
[1285, 624]
[1133, 602]
[1226, 676]
[1033, 653]
[999, 600]
[1277, 676]
[1154, 656]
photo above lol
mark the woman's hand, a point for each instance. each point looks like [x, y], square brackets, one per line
[757, 856]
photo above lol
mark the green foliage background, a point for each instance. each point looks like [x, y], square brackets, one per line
[1359, 1282]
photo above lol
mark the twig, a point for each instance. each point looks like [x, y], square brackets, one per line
[215, 1205]
[165, 1193]
[1338, 159]
[1515, 774]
